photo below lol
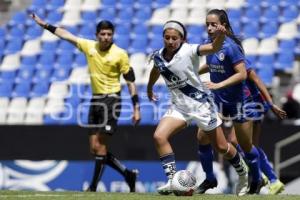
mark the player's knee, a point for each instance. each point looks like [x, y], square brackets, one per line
[222, 148]
[159, 138]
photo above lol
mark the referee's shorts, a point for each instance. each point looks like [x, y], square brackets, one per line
[104, 112]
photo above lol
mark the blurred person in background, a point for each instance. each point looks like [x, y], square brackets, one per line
[106, 62]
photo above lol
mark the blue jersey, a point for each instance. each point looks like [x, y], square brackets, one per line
[221, 67]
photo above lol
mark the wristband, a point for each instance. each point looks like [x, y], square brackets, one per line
[135, 99]
[50, 28]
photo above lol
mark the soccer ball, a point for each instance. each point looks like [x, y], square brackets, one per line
[183, 183]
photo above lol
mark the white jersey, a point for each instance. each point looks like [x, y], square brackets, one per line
[181, 77]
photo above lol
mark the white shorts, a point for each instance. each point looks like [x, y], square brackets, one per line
[205, 115]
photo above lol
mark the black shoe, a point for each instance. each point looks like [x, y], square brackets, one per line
[255, 187]
[130, 178]
[206, 184]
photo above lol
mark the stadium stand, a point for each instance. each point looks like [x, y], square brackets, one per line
[39, 71]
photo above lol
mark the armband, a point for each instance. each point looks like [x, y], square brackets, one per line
[130, 75]
[50, 28]
[135, 99]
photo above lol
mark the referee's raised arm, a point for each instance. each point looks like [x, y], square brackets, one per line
[58, 31]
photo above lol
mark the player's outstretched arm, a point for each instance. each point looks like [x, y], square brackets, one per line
[58, 31]
[252, 76]
[217, 43]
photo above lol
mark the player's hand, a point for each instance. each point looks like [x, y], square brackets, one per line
[220, 29]
[211, 85]
[136, 118]
[38, 20]
[151, 95]
[281, 114]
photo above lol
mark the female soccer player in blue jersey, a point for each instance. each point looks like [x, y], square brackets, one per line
[178, 63]
[228, 74]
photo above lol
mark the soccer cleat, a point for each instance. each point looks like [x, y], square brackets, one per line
[255, 187]
[242, 186]
[205, 185]
[265, 179]
[130, 178]
[90, 189]
[276, 187]
[165, 189]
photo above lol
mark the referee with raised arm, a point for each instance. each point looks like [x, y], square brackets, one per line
[106, 62]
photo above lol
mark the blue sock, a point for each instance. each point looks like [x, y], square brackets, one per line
[240, 150]
[206, 157]
[169, 165]
[266, 166]
[253, 162]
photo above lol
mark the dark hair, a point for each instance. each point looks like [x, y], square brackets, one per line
[223, 17]
[180, 24]
[105, 24]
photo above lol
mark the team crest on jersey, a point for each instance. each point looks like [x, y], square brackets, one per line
[221, 56]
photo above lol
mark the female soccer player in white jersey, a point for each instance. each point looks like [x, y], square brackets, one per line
[178, 63]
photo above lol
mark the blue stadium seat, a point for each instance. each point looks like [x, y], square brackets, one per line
[286, 45]
[28, 61]
[19, 18]
[37, 5]
[285, 61]
[49, 46]
[22, 89]
[65, 46]
[33, 33]
[142, 4]
[13, 46]
[251, 30]
[88, 16]
[286, 3]
[122, 29]
[109, 13]
[265, 61]
[268, 30]
[138, 45]
[108, 4]
[54, 17]
[155, 44]
[42, 74]
[156, 30]
[64, 60]
[7, 76]
[234, 15]
[195, 30]
[87, 31]
[49, 120]
[40, 88]
[289, 13]
[46, 60]
[123, 4]
[60, 74]
[2, 32]
[270, 15]
[6, 88]
[25, 74]
[16, 32]
[54, 4]
[124, 16]
[269, 3]
[160, 3]
[251, 14]
[266, 74]
[252, 3]
[80, 60]
[122, 41]
[142, 15]
[236, 27]
[140, 30]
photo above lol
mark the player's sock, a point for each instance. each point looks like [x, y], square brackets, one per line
[206, 156]
[168, 163]
[266, 166]
[240, 150]
[253, 163]
[98, 170]
[113, 162]
[238, 164]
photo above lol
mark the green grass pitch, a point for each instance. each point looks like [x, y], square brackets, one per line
[29, 195]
